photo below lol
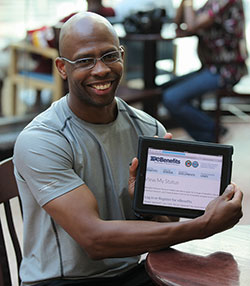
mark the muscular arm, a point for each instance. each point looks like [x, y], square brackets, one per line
[77, 213]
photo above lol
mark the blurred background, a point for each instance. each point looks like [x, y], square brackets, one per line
[19, 16]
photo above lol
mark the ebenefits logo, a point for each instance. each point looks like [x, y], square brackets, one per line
[164, 160]
[188, 164]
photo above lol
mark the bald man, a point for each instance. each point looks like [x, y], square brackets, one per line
[72, 169]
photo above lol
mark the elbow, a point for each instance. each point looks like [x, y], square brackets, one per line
[94, 246]
[94, 254]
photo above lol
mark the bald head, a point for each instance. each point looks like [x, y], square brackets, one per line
[84, 24]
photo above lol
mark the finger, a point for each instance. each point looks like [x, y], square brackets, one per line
[229, 192]
[132, 177]
[233, 192]
[133, 167]
[168, 136]
[238, 195]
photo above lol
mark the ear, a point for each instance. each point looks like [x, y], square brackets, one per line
[61, 67]
[122, 52]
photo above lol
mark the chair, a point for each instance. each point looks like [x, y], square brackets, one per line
[240, 109]
[8, 191]
[34, 80]
[149, 97]
[234, 101]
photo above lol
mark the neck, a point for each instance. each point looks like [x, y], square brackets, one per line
[94, 114]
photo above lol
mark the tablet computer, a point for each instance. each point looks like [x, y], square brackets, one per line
[179, 178]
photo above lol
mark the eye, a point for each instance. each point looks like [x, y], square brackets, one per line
[111, 57]
[85, 62]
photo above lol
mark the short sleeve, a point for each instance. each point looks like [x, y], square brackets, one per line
[161, 129]
[44, 162]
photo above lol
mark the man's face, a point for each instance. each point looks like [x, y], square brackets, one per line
[96, 86]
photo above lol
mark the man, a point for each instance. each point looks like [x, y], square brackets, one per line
[72, 169]
[95, 6]
[220, 27]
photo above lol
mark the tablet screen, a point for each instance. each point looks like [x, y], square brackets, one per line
[181, 179]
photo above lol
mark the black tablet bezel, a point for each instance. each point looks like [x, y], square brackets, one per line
[205, 148]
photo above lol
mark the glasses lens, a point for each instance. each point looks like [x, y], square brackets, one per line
[86, 63]
[111, 57]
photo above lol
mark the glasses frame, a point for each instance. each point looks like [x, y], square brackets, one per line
[120, 51]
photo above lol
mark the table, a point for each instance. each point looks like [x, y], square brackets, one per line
[149, 54]
[149, 41]
[220, 260]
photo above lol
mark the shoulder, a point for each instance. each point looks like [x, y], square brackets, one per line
[53, 118]
[107, 12]
[218, 8]
[44, 135]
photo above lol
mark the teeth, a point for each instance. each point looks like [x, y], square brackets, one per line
[102, 86]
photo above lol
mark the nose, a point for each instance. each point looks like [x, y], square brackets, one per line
[100, 68]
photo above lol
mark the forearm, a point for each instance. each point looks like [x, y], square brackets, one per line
[179, 14]
[185, 15]
[77, 212]
[129, 238]
[195, 21]
[161, 218]
[189, 15]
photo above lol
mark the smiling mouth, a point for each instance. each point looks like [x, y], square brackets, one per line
[101, 86]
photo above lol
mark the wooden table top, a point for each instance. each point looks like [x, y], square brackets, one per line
[220, 260]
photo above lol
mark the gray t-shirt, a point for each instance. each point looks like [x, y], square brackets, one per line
[58, 152]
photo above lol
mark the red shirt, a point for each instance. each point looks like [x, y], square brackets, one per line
[222, 47]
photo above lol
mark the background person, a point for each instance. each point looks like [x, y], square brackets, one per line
[95, 6]
[72, 170]
[220, 27]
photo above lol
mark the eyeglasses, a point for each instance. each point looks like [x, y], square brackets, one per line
[89, 63]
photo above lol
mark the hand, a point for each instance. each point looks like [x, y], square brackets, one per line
[132, 177]
[131, 188]
[133, 170]
[168, 136]
[225, 211]
[181, 33]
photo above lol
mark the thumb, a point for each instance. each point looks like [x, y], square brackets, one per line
[229, 192]
[133, 167]
[168, 136]
[132, 177]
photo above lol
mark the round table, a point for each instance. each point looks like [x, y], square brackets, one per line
[220, 260]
